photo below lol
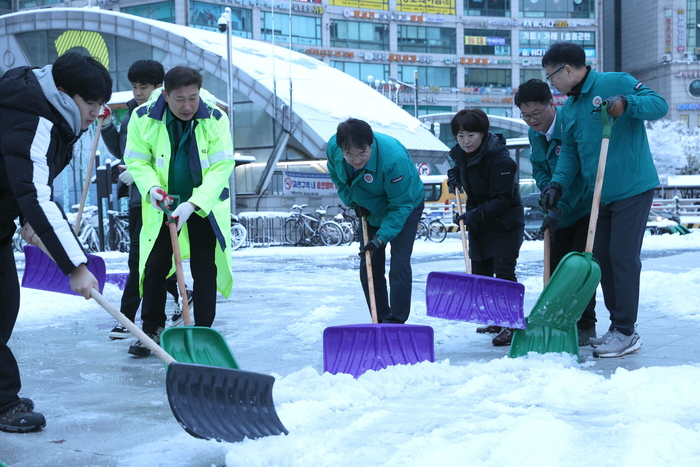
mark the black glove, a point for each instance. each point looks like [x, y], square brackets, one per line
[467, 217]
[372, 246]
[453, 180]
[612, 101]
[551, 222]
[550, 196]
[360, 211]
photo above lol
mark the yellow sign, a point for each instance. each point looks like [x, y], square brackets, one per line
[474, 40]
[89, 40]
[370, 5]
[438, 7]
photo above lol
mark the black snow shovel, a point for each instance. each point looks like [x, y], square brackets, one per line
[473, 298]
[210, 402]
[551, 325]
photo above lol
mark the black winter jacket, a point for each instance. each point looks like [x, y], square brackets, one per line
[489, 179]
[38, 127]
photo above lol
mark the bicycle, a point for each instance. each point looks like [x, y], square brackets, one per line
[433, 230]
[303, 229]
[118, 231]
[350, 225]
[238, 233]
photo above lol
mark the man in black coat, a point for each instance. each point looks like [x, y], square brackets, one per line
[43, 112]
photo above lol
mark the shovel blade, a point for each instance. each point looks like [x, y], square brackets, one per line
[476, 299]
[199, 345]
[568, 292]
[543, 339]
[357, 348]
[222, 403]
[42, 273]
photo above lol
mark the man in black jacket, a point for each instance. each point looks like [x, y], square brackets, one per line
[145, 76]
[43, 112]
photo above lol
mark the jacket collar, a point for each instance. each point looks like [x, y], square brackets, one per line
[157, 110]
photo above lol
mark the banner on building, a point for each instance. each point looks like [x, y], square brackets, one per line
[307, 184]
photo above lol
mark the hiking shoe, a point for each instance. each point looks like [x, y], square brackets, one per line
[119, 332]
[596, 341]
[585, 336]
[139, 349]
[618, 345]
[18, 417]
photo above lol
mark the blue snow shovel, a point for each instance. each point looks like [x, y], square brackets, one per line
[551, 326]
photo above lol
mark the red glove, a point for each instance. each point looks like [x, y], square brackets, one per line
[106, 116]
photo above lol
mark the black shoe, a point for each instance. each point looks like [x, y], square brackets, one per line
[503, 338]
[139, 349]
[18, 417]
[489, 329]
[585, 336]
[119, 332]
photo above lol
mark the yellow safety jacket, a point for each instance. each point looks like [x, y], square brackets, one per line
[148, 154]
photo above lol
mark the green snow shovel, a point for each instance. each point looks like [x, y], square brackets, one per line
[192, 344]
[551, 325]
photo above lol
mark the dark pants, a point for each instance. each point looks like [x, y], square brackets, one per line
[10, 383]
[500, 266]
[566, 240]
[400, 272]
[203, 246]
[618, 244]
[131, 298]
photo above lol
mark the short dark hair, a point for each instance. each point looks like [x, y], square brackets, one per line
[354, 133]
[83, 75]
[181, 76]
[472, 120]
[534, 90]
[146, 72]
[564, 53]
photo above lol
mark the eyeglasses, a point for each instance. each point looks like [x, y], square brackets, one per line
[549, 77]
[351, 157]
[534, 115]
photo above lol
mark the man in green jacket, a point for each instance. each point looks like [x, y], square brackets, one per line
[568, 224]
[630, 177]
[376, 176]
[179, 143]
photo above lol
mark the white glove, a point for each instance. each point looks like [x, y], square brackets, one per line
[182, 213]
[126, 178]
[158, 194]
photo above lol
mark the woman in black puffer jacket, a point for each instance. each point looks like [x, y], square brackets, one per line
[494, 216]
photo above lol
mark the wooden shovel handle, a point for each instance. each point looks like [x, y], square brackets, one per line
[462, 231]
[370, 275]
[179, 272]
[86, 184]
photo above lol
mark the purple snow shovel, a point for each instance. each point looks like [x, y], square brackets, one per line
[473, 298]
[357, 348]
[40, 272]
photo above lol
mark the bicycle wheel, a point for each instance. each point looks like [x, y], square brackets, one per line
[422, 232]
[437, 231]
[331, 234]
[293, 232]
[238, 236]
[348, 233]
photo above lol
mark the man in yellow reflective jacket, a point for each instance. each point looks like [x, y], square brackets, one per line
[179, 143]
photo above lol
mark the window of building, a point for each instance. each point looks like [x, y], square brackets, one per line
[536, 72]
[29, 4]
[362, 70]
[557, 9]
[486, 7]
[536, 43]
[684, 119]
[357, 35]
[487, 78]
[161, 11]
[206, 16]
[486, 42]
[306, 30]
[694, 88]
[424, 39]
[442, 77]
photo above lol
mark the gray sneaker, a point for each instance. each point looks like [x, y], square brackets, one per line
[596, 341]
[618, 345]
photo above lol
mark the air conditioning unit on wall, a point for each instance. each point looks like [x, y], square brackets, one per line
[665, 58]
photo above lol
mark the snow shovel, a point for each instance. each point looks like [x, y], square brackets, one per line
[209, 402]
[357, 348]
[190, 344]
[551, 326]
[474, 298]
[42, 273]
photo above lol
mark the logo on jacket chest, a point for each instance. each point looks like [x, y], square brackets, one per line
[597, 100]
[557, 149]
[369, 178]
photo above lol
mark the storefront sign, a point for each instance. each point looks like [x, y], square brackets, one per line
[397, 57]
[669, 30]
[688, 74]
[688, 106]
[681, 31]
[327, 52]
[315, 184]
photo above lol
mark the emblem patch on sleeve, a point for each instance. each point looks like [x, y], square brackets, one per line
[397, 180]
[637, 86]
